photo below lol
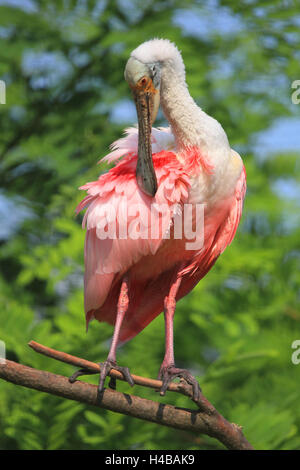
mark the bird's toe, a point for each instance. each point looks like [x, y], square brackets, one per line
[169, 373]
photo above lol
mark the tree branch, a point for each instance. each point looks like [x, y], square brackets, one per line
[205, 420]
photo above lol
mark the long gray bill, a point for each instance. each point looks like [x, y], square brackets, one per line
[145, 174]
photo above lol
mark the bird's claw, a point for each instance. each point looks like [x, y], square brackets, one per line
[79, 373]
[168, 373]
[105, 368]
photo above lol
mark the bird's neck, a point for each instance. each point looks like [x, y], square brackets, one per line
[191, 126]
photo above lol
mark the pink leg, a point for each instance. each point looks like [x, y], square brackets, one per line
[169, 311]
[110, 362]
[168, 371]
[122, 309]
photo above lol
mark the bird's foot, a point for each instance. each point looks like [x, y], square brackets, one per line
[105, 368]
[168, 373]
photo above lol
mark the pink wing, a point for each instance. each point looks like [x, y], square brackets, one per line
[219, 233]
[119, 218]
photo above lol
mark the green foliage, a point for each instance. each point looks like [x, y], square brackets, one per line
[63, 66]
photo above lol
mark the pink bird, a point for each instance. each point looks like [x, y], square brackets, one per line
[159, 219]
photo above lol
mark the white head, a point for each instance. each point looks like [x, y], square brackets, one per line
[158, 53]
[149, 64]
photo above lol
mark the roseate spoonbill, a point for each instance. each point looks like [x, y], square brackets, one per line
[130, 279]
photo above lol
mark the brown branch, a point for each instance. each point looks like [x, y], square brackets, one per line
[205, 420]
